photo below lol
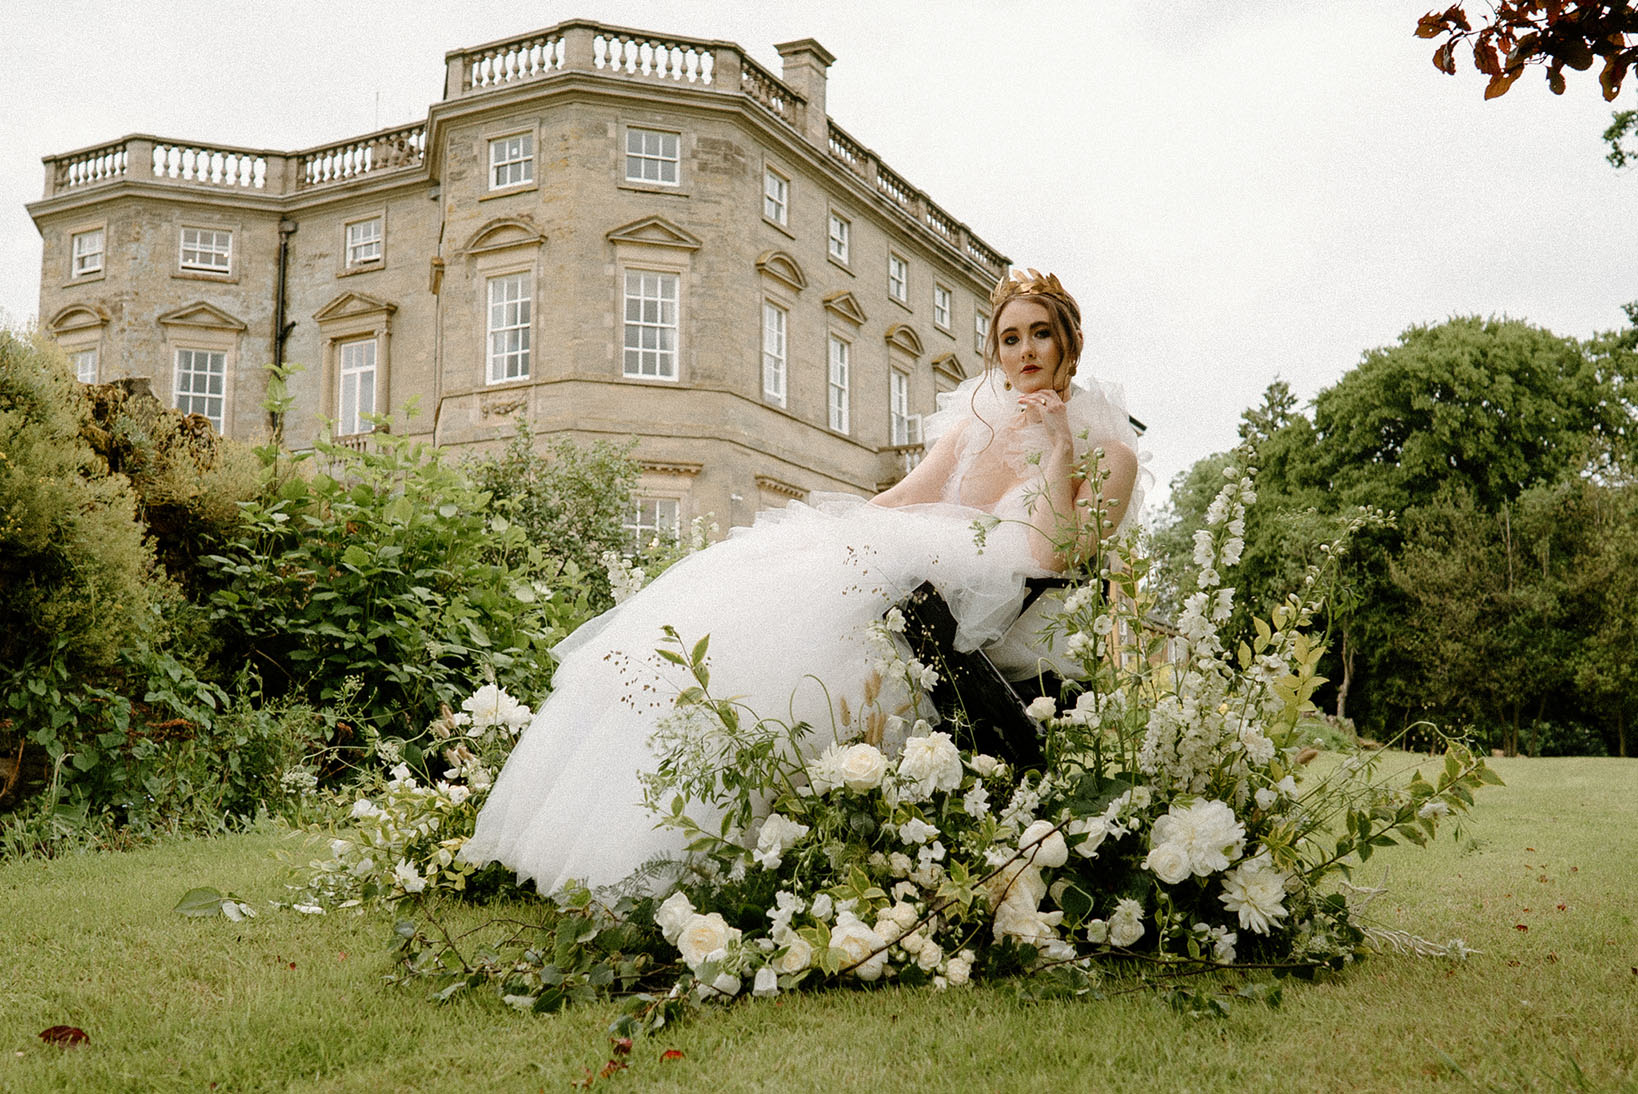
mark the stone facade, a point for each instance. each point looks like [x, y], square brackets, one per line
[617, 234]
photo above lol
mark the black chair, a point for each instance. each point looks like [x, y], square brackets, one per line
[985, 709]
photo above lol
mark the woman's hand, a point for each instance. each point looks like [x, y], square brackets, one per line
[1047, 408]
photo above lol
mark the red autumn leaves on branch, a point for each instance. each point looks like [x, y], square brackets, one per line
[1554, 33]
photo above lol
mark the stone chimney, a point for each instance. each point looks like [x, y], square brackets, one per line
[805, 64]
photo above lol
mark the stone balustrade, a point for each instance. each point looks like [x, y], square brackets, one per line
[911, 201]
[380, 151]
[143, 158]
[573, 47]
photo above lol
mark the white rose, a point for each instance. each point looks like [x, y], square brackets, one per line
[900, 863]
[1041, 708]
[1044, 845]
[929, 955]
[932, 762]
[766, 984]
[1169, 862]
[798, 955]
[862, 767]
[983, 766]
[860, 947]
[959, 968]
[703, 935]
[777, 835]
[673, 915]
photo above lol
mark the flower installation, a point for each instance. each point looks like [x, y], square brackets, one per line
[1177, 824]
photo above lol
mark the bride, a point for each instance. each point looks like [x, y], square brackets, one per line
[788, 602]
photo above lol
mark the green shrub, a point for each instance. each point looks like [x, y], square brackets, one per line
[390, 568]
[571, 500]
[77, 582]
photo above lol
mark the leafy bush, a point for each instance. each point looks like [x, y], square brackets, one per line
[77, 582]
[572, 501]
[394, 568]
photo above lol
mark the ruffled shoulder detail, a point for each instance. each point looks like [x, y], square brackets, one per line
[1097, 417]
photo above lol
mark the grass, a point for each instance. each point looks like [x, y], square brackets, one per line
[1541, 882]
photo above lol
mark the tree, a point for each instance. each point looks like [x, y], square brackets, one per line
[1553, 33]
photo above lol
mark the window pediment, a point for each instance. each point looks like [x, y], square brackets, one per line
[948, 364]
[902, 336]
[78, 317]
[655, 231]
[201, 314]
[501, 233]
[782, 267]
[351, 305]
[846, 305]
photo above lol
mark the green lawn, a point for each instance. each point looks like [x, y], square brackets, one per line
[1543, 883]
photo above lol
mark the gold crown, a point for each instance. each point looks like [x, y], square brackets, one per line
[1015, 283]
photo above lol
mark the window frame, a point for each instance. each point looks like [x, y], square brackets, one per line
[837, 392]
[661, 354]
[197, 266]
[643, 533]
[943, 306]
[839, 246]
[219, 421]
[898, 278]
[900, 422]
[981, 330]
[75, 272]
[781, 215]
[356, 421]
[75, 358]
[348, 246]
[525, 161]
[776, 362]
[523, 352]
[644, 157]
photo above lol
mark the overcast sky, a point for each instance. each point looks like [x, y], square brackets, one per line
[1235, 190]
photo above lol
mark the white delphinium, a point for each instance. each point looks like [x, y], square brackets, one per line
[916, 830]
[624, 578]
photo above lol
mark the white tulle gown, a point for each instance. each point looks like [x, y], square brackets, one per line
[786, 601]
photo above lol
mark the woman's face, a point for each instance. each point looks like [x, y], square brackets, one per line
[1030, 354]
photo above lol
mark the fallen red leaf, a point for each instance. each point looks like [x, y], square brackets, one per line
[677, 1053]
[67, 1036]
[611, 1067]
[622, 1046]
[1520, 927]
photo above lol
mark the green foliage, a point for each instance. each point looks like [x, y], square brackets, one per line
[392, 567]
[1463, 433]
[188, 479]
[571, 500]
[77, 583]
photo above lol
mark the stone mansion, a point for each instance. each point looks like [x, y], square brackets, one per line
[615, 233]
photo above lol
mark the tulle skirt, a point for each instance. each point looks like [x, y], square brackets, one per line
[787, 604]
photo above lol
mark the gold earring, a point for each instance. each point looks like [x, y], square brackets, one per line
[1007, 384]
